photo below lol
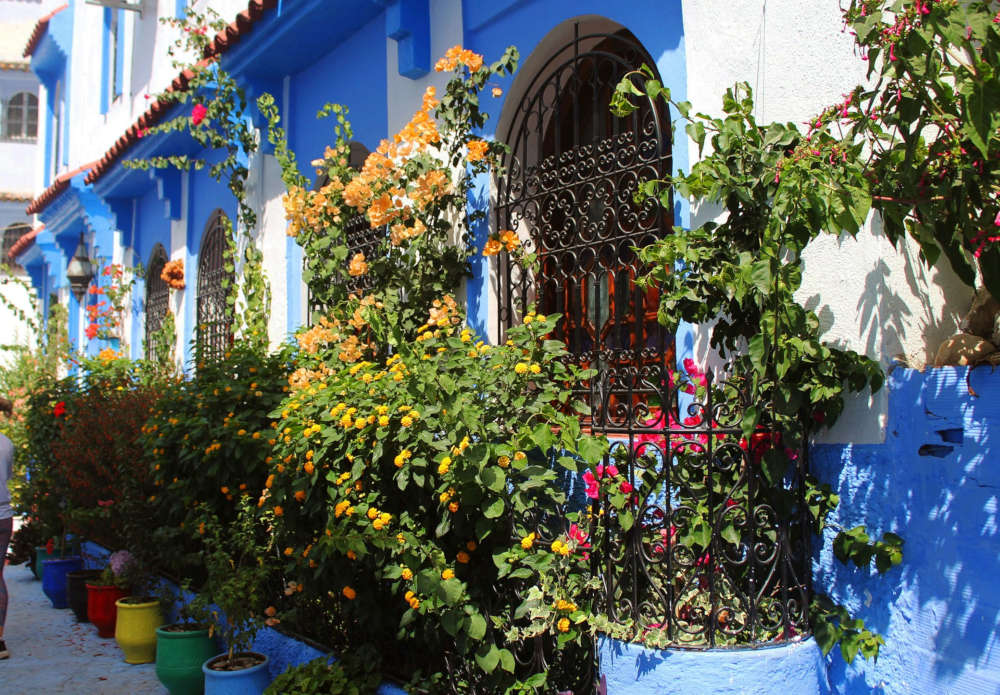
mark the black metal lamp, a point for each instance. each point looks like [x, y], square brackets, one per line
[80, 270]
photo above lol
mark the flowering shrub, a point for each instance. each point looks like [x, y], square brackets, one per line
[414, 187]
[208, 442]
[107, 316]
[422, 488]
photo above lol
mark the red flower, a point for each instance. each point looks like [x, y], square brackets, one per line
[50, 546]
[198, 114]
[60, 409]
[91, 331]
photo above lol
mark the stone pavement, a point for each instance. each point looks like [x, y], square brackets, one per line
[52, 654]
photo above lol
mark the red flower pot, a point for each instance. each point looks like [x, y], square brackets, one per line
[101, 607]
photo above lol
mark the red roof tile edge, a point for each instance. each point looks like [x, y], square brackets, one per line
[39, 31]
[55, 188]
[25, 240]
[222, 42]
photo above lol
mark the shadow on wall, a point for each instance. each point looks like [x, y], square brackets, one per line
[935, 482]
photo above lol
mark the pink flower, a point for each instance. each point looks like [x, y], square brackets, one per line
[105, 503]
[626, 487]
[591, 485]
[611, 470]
[60, 409]
[996, 220]
[198, 114]
[577, 534]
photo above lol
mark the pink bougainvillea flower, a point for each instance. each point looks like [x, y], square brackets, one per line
[577, 534]
[591, 485]
[611, 470]
[198, 113]
[105, 503]
[626, 487]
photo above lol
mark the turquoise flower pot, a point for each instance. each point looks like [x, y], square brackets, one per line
[247, 681]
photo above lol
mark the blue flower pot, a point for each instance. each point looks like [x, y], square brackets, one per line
[246, 681]
[54, 578]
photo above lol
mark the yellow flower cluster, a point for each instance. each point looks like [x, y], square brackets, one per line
[561, 548]
[412, 599]
[444, 465]
[212, 448]
[564, 606]
[448, 574]
[343, 507]
[402, 457]
[528, 541]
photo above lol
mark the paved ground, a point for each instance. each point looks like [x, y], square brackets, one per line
[52, 654]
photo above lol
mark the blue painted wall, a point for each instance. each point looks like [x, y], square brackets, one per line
[353, 74]
[936, 482]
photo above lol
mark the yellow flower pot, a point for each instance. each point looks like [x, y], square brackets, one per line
[135, 629]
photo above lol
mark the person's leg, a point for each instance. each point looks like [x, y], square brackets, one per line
[6, 526]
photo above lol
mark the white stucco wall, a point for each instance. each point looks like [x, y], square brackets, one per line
[869, 296]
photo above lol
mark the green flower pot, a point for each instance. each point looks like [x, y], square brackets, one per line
[179, 656]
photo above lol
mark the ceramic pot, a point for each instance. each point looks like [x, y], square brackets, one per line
[247, 681]
[76, 591]
[179, 656]
[54, 578]
[135, 629]
[101, 608]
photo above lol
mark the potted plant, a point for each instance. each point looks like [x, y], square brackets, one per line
[138, 614]
[183, 646]
[104, 592]
[53, 561]
[237, 582]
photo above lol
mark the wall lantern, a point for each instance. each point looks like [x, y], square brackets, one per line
[80, 270]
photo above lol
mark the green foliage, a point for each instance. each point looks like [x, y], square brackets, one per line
[353, 674]
[855, 546]
[779, 190]
[931, 124]
[239, 577]
[399, 483]
[208, 442]
[832, 625]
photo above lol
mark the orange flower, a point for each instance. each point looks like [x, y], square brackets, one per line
[300, 495]
[349, 593]
[492, 247]
[309, 467]
[509, 239]
[278, 511]
[463, 557]
[477, 150]
[357, 266]
[497, 91]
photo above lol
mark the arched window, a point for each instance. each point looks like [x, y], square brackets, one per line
[214, 283]
[568, 193]
[157, 300]
[10, 237]
[21, 117]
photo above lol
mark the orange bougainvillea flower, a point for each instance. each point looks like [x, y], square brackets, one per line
[509, 239]
[456, 56]
[357, 266]
[492, 247]
[173, 274]
[477, 150]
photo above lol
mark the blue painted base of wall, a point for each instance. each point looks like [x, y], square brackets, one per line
[793, 669]
[936, 482]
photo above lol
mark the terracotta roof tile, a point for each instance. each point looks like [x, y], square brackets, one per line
[223, 40]
[40, 29]
[58, 186]
[22, 244]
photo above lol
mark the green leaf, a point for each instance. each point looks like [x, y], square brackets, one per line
[477, 626]
[488, 657]
[494, 509]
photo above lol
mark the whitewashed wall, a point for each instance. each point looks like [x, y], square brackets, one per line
[870, 297]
